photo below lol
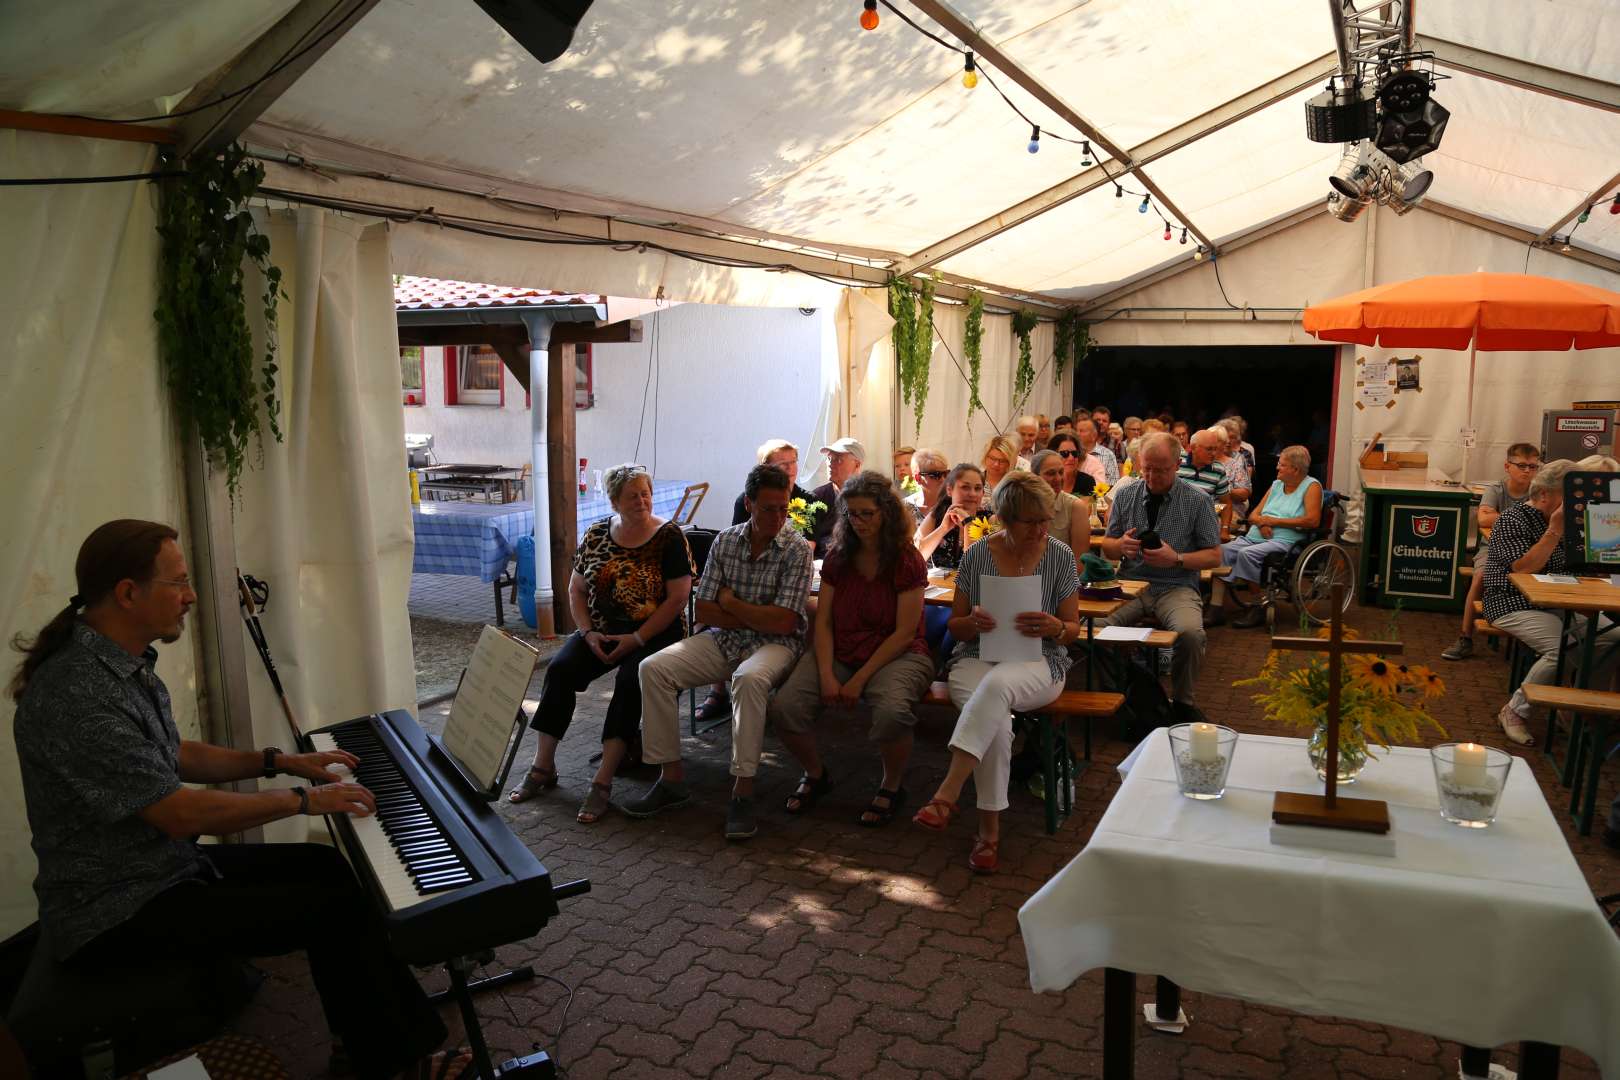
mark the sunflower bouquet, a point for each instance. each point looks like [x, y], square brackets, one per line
[802, 514]
[980, 527]
[1381, 702]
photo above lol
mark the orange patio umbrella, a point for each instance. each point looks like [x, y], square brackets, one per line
[1493, 312]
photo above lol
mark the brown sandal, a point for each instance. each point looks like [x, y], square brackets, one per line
[938, 820]
[537, 781]
[595, 806]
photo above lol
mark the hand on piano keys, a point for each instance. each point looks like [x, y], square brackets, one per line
[323, 767]
[351, 799]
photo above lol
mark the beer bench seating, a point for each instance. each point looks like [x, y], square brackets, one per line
[1046, 722]
[1588, 741]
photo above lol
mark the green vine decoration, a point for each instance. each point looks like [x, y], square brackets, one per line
[1062, 345]
[973, 349]
[215, 375]
[1023, 324]
[912, 308]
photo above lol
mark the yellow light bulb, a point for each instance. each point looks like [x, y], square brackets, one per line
[970, 79]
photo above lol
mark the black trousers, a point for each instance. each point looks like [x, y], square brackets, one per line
[575, 667]
[273, 899]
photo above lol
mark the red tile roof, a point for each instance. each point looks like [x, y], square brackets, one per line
[425, 293]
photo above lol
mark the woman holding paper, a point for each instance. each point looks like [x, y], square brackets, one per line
[1014, 658]
[1071, 515]
[942, 535]
[627, 594]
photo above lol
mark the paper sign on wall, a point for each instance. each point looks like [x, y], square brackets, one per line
[1375, 383]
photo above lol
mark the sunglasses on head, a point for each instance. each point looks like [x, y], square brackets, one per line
[935, 474]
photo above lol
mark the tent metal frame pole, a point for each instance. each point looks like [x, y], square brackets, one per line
[988, 52]
[1523, 236]
[1592, 200]
[1567, 85]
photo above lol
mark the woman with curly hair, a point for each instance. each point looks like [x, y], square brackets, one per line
[943, 534]
[868, 644]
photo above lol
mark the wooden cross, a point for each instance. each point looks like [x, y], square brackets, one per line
[1329, 811]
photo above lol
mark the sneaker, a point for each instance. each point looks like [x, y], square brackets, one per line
[740, 818]
[1462, 650]
[1214, 616]
[1513, 724]
[664, 795]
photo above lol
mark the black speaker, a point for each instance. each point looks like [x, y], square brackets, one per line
[544, 27]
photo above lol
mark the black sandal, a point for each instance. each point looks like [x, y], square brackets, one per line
[809, 792]
[537, 781]
[716, 706]
[883, 815]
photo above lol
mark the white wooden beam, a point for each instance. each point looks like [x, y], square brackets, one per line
[1593, 201]
[1582, 89]
[1177, 138]
[987, 52]
[262, 73]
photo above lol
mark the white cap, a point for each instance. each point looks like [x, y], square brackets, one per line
[846, 446]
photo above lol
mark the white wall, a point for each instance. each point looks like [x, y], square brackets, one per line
[724, 379]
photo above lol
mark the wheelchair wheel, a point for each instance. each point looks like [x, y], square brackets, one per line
[1320, 567]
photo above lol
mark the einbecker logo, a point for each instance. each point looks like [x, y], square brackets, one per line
[1425, 524]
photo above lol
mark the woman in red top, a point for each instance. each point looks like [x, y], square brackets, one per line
[867, 646]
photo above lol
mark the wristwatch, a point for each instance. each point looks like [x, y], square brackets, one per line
[270, 753]
[303, 798]
[1178, 562]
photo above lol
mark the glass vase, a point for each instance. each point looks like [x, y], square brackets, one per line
[1352, 752]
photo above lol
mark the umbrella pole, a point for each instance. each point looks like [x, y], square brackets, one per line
[1469, 423]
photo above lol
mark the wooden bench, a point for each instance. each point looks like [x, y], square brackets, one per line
[1057, 769]
[1587, 742]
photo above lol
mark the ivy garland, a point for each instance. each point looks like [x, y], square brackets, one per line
[913, 311]
[1063, 345]
[973, 348]
[1023, 324]
[217, 380]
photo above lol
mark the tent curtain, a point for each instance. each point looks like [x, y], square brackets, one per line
[89, 433]
[325, 518]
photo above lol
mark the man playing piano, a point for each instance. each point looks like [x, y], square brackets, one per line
[114, 827]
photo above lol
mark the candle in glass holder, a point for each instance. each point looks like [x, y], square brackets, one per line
[1468, 765]
[1203, 744]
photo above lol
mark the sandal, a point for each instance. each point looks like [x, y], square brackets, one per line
[716, 706]
[808, 793]
[938, 820]
[596, 804]
[983, 860]
[537, 781]
[875, 816]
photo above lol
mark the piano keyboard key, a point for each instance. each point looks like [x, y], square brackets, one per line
[407, 851]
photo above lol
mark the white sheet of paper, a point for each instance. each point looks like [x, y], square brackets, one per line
[1004, 598]
[1124, 633]
[187, 1068]
[485, 708]
[934, 592]
[1614, 579]
[1557, 579]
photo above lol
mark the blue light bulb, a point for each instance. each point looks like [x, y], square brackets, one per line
[1144, 207]
[1035, 140]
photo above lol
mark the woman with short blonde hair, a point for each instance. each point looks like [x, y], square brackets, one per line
[1000, 457]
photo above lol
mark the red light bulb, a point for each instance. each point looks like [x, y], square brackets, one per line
[1167, 232]
[869, 17]
[1614, 207]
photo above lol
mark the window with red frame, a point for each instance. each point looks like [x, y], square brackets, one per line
[473, 375]
[411, 381]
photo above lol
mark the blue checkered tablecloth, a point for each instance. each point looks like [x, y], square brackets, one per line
[479, 539]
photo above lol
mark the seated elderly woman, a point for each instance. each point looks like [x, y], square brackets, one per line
[1000, 457]
[929, 468]
[1071, 515]
[986, 692]
[943, 533]
[868, 645]
[632, 576]
[1290, 508]
[1236, 465]
[1528, 539]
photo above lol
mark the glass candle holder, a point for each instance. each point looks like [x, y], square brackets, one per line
[1203, 756]
[1470, 779]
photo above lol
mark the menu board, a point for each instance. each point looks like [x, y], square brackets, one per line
[486, 717]
[1592, 522]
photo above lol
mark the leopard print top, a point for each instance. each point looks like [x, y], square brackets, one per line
[624, 586]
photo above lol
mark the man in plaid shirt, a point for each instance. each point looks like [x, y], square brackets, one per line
[752, 597]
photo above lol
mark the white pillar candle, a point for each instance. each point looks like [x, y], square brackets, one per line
[1204, 742]
[1468, 765]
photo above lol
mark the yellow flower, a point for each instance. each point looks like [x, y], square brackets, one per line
[979, 528]
[1432, 686]
[1378, 673]
[1101, 489]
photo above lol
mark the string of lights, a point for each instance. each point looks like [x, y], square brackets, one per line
[972, 74]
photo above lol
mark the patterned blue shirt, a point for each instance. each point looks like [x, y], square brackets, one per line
[780, 577]
[1186, 522]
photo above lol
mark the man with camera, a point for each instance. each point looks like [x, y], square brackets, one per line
[1164, 531]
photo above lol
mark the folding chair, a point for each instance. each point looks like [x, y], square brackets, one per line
[684, 513]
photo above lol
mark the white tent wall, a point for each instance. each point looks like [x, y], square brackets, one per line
[1322, 258]
[325, 518]
[89, 432]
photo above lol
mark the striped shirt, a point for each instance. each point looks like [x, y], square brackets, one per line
[1059, 580]
[1110, 463]
[1517, 531]
[1211, 479]
[1186, 522]
[779, 577]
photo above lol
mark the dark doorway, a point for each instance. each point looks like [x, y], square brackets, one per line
[1285, 392]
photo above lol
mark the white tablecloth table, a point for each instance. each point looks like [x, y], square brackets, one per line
[1483, 936]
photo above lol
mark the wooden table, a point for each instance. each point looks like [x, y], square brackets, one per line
[479, 479]
[1595, 598]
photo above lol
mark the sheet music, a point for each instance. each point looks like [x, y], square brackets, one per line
[485, 710]
[1004, 598]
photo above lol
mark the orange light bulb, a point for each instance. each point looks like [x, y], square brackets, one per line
[869, 19]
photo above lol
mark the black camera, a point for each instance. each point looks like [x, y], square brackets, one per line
[1149, 540]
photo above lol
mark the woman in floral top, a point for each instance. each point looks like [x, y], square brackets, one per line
[627, 594]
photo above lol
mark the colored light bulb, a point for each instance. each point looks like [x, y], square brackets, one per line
[970, 77]
[1585, 214]
[1035, 140]
[1183, 234]
[1167, 230]
[869, 17]
[1614, 207]
[1085, 152]
[1144, 207]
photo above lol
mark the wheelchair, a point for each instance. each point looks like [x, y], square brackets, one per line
[1305, 574]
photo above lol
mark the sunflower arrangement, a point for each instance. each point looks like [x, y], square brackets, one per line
[980, 527]
[802, 514]
[1380, 701]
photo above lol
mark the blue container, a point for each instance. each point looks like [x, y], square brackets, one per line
[525, 579]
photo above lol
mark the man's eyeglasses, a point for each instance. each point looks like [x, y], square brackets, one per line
[935, 474]
[179, 583]
[861, 515]
[1526, 466]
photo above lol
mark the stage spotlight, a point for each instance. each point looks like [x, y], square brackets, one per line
[1408, 183]
[1341, 114]
[1411, 133]
[1346, 209]
[1353, 179]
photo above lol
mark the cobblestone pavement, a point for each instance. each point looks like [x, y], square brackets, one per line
[823, 949]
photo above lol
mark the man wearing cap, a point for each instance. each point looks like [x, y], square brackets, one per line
[844, 459]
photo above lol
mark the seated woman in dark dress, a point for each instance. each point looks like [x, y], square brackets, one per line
[943, 534]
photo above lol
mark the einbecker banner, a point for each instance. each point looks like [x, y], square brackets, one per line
[1422, 551]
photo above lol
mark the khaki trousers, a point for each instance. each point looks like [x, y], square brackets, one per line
[1177, 608]
[698, 661]
[892, 692]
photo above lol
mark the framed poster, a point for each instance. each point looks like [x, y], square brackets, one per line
[1421, 551]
